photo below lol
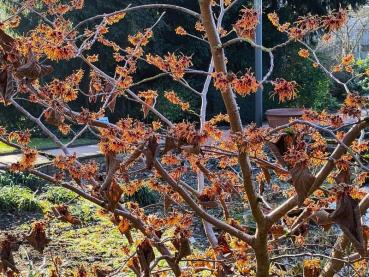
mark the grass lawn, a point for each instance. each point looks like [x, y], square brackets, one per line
[42, 143]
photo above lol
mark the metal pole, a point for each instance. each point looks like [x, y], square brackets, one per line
[258, 4]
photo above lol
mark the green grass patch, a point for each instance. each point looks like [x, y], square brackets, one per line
[58, 195]
[21, 179]
[100, 240]
[4, 148]
[18, 199]
[42, 143]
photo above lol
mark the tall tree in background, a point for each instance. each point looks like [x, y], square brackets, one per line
[224, 169]
[312, 94]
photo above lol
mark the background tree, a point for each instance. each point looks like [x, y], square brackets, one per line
[167, 39]
[227, 168]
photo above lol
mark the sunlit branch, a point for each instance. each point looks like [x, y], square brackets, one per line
[130, 9]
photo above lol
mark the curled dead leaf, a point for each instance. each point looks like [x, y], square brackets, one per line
[101, 272]
[150, 151]
[277, 231]
[62, 212]
[54, 117]
[322, 218]
[149, 104]
[348, 216]
[7, 86]
[134, 264]
[124, 227]
[146, 255]
[6, 254]
[182, 244]
[223, 246]
[312, 268]
[280, 147]
[113, 195]
[302, 180]
[344, 176]
[81, 272]
[30, 70]
[37, 237]
[6, 41]
[170, 144]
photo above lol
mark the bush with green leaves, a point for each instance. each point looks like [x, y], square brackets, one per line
[144, 197]
[362, 65]
[21, 179]
[59, 195]
[18, 199]
[313, 84]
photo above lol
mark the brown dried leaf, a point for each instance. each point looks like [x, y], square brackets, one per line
[46, 70]
[6, 41]
[277, 231]
[112, 103]
[111, 163]
[366, 236]
[344, 176]
[169, 145]
[54, 118]
[125, 229]
[81, 272]
[145, 255]
[100, 272]
[322, 218]
[113, 100]
[150, 152]
[302, 180]
[62, 212]
[182, 244]
[113, 195]
[167, 202]
[223, 246]
[134, 264]
[312, 268]
[266, 174]
[37, 237]
[6, 254]
[123, 225]
[149, 103]
[223, 270]
[7, 86]
[347, 215]
[3, 82]
[280, 147]
[31, 69]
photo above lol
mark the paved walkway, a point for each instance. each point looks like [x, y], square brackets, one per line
[81, 152]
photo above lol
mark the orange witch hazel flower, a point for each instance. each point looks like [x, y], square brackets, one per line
[140, 38]
[348, 59]
[221, 80]
[246, 25]
[181, 31]
[29, 157]
[172, 63]
[246, 84]
[174, 99]
[115, 18]
[149, 97]
[335, 21]
[274, 19]
[285, 90]
[304, 53]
